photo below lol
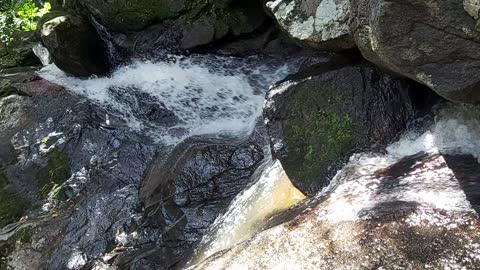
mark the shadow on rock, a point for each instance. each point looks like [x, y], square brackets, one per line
[467, 172]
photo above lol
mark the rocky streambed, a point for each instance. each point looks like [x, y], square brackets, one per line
[97, 177]
[241, 135]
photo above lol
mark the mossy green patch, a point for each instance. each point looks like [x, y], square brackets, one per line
[12, 207]
[25, 235]
[24, 55]
[319, 143]
[316, 135]
[52, 177]
[8, 61]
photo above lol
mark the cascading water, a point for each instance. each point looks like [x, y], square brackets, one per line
[271, 193]
[145, 109]
[181, 97]
[423, 191]
[222, 97]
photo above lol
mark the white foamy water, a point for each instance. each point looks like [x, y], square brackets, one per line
[183, 97]
[357, 193]
[456, 129]
[356, 188]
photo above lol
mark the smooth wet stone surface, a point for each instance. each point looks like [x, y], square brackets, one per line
[412, 213]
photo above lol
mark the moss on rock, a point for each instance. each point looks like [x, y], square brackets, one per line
[123, 15]
[25, 235]
[320, 116]
[20, 51]
[316, 135]
[7, 89]
[335, 132]
[6, 249]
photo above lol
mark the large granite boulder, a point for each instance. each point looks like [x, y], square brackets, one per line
[433, 42]
[321, 24]
[325, 112]
[74, 44]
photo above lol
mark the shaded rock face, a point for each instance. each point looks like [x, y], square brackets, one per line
[184, 195]
[321, 24]
[123, 15]
[74, 45]
[322, 114]
[433, 42]
[376, 218]
[180, 25]
[19, 52]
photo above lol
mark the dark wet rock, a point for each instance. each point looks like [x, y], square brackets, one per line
[12, 206]
[19, 52]
[79, 181]
[122, 15]
[434, 42]
[271, 42]
[467, 172]
[320, 24]
[74, 44]
[13, 92]
[57, 155]
[79, 187]
[322, 114]
[145, 106]
[184, 195]
[179, 25]
[375, 218]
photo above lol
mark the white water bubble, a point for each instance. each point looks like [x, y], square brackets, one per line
[173, 100]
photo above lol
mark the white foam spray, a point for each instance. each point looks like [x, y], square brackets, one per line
[356, 188]
[207, 95]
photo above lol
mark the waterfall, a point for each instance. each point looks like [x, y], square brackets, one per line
[185, 96]
[353, 196]
[222, 97]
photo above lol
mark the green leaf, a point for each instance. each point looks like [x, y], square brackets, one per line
[19, 15]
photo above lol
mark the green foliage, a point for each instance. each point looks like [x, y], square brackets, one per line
[19, 15]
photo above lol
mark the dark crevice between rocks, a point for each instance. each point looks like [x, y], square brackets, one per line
[467, 171]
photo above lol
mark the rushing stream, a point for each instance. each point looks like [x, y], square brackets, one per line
[182, 97]
[423, 188]
[270, 225]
